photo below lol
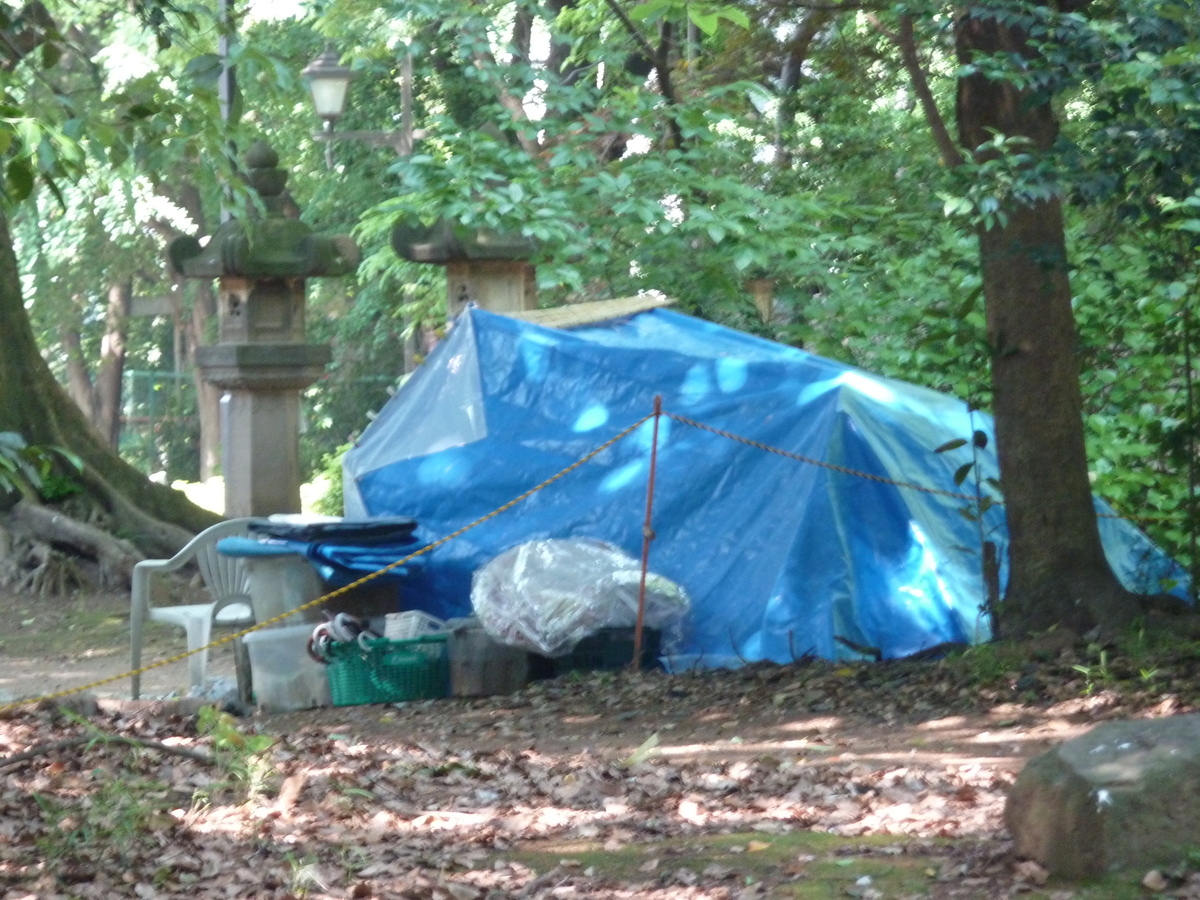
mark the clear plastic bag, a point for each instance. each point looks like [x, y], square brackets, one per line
[546, 596]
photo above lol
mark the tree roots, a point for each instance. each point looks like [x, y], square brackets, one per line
[48, 553]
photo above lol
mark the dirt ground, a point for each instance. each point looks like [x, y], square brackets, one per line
[57, 645]
[48, 648]
[806, 780]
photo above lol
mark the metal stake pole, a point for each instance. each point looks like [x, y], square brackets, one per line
[647, 537]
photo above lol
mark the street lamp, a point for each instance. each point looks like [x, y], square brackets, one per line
[329, 81]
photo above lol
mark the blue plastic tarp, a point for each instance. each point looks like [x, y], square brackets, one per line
[781, 553]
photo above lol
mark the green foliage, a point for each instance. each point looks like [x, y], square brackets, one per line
[57, 487]
[116, 823]
[90, 95]
[305, 875]
[30, 468]
[706, 17]
[986, 664]
[1097, 672]
[332, 502]
[242, 756]
[701, 217]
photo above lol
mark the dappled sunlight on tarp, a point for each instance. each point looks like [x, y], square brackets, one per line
[697, 385]
[780, 556]
[595, 416]
[872, 387]
[644, 436]
[625, 476]
[731, 375]
[443, 470]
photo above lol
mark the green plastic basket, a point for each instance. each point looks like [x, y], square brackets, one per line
[384, 671]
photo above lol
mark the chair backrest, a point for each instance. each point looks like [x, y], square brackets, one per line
[224, 576]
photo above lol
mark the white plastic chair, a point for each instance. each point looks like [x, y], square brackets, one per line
[225, 579]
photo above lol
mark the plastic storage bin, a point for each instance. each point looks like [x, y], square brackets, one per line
[480, 665]
[283, 675]
[385, 671]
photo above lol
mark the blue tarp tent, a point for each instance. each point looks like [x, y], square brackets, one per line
[781, 556]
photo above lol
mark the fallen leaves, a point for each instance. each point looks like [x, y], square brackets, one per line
[426, 800]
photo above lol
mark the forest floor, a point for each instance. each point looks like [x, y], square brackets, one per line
[809, 780]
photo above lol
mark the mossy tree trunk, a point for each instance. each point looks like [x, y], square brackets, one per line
[148, 518]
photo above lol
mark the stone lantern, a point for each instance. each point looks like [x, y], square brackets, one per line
[483, 267]
[261, 359]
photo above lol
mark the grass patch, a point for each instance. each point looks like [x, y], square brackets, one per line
[800, 865]
[74, 627]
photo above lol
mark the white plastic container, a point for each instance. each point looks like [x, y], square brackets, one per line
[283, 675]
[405, 626]
[280, 584]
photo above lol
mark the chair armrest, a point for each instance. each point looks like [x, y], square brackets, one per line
[144, 570]
[178, 561]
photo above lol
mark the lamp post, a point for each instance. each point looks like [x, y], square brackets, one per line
[329, 83]
[482, 266]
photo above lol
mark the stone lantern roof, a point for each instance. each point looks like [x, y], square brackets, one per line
[267, 246]
[446, 242]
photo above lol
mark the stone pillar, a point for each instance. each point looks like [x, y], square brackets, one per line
[497, 285]
[260, 420]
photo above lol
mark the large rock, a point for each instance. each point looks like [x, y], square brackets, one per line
[1124, 795]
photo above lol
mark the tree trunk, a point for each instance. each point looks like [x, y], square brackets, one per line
[100, 399]
[906, 43]
[153, 517]
[192, 330]
[112, 363]
[79, 377]
[1058, 573]
[798, 45]
[208, 395]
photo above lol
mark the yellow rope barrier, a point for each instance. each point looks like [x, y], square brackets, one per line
[879, 478]
[819, 462]
[342, 590]
[507, 506]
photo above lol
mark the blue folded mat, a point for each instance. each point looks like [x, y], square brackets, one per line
[337, 562]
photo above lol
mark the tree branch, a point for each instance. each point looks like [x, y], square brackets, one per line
[906, 43]
[485, 62]
[79, 377]
[789, 77]
[636, 33]
[659, 55]
[522, 36]
[662, 65]
[67, 743]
